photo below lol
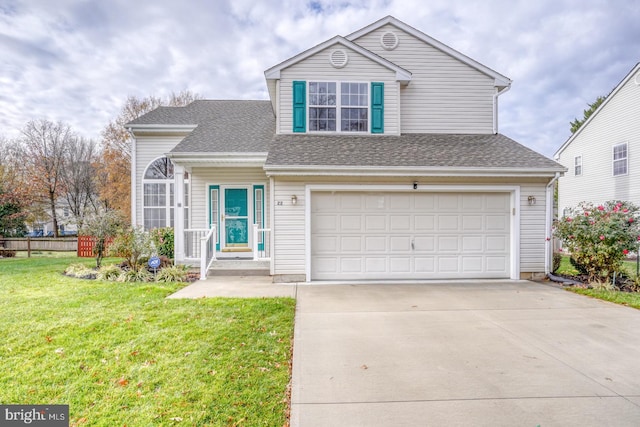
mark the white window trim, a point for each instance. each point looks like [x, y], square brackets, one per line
[338, 107]
[576, 157]
[168, 205]
[613, 161]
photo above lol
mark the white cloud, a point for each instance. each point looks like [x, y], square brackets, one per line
[77, 61]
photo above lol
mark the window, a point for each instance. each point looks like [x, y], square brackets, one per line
[620, 159]
[337, 107]
[158, 195]
[577, 165]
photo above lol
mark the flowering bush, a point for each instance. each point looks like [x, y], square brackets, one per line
[599, 237]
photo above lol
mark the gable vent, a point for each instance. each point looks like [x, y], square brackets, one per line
[637, 79]
[389, 40]
[338, 58]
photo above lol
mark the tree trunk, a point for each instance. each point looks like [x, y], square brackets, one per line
[54, 216]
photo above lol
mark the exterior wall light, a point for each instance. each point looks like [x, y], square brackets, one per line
[294, 200]
[415, 185]
[531, 200]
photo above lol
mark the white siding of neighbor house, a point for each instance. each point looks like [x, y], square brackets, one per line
[617, 122]
[149, 148]
[358, 69]
[201, 178]
[445, 95]
[289, 220]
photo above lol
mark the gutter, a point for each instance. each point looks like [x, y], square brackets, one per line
[548, 221]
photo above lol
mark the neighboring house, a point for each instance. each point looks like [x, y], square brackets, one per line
[603, 155]
[41, 224]
[376, 157]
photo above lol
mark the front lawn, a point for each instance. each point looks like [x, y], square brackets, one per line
[121, 354]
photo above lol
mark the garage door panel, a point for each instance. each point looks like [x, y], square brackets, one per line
[410, 235]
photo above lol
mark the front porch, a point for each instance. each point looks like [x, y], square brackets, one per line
[201, 247]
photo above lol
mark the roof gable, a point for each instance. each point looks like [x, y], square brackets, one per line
[402, 75]
[625, 80]
[501, 81]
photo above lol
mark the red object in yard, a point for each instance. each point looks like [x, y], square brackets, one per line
[86, 245]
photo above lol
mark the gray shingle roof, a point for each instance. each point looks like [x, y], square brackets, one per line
[411, 150]
[222, 126]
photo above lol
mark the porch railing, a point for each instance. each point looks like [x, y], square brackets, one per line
[192, 243]
[207, 252]
[261, 243]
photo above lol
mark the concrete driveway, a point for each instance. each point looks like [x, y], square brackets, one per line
[502, 353]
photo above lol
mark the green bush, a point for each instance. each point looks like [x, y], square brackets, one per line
[163, 238]
[141, 275]
[135, 245]
[600, 237]
[108, 272]
[175, 273]
[557, 259]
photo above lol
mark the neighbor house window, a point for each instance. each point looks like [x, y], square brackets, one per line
[158, 195]
[620, 157]
[577, 166]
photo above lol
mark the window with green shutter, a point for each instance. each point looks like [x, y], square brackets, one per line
[377, 107]
[299, 106]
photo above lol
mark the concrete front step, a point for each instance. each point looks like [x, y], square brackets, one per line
[238, 267]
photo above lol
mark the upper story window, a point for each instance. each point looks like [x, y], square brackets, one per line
[338, 107]
[577, 165]
[342, 107]
[620, 157]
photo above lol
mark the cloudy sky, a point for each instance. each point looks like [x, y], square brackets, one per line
[78, 60]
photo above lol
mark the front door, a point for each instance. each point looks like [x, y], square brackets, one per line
[235, 220]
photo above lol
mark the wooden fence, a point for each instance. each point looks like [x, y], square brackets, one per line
[87, 243]
[40, 244]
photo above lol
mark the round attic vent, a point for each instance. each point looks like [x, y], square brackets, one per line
[637, 79]
[338, 58]
[389, 40]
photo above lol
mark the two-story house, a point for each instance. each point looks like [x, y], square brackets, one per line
[377, 157]
[602, 155]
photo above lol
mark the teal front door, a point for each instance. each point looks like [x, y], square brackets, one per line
[236, 219]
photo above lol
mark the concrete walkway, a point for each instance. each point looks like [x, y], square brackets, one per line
[236, 287]
[510, 353]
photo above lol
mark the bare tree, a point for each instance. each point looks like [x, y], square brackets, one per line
[44, 148]
[114, 173]
[78, 177]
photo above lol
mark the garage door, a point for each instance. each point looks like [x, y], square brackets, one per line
[413, 235]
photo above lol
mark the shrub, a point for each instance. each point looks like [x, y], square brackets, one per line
[175, 273]
[108, 272]
[134, 245]
[101, 227]
[80, 271]
[580, 268]
[163, 239]
[557, 259]
[7, 253]
[600, 237]
[141, 275]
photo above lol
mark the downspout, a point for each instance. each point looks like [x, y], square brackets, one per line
[495, 107]
[548, 222]
[133, 178]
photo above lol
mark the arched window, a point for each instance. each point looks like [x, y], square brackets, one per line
[158, 192]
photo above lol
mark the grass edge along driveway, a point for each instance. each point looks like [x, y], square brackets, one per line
[121, 353]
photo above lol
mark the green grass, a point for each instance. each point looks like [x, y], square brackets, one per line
[623, 298]
[123, 354]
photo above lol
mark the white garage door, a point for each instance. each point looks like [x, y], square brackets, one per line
[413, 235]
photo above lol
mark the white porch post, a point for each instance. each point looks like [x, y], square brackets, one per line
[178, 206]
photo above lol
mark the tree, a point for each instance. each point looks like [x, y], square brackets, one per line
[102, 226]
[575, 125]
[13, 198]
[114, 170]
[78, 177]
[44, 148]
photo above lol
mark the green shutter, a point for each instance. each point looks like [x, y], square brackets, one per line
[377, 107]
[299, 106]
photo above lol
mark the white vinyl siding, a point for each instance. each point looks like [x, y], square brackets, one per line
[201, 178]
[532, 227]
[445, 95]
[615, 123]
[358, 69]
[149, 148]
